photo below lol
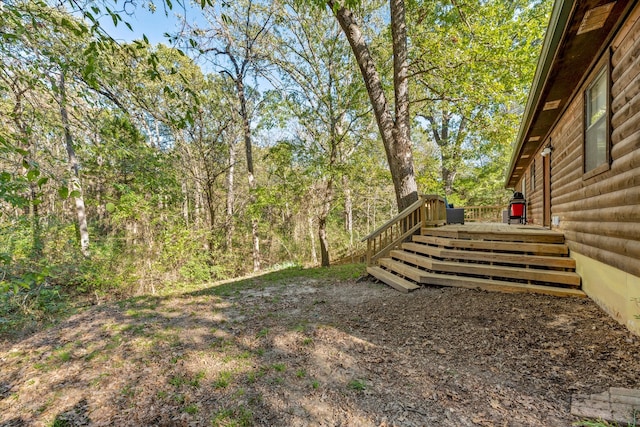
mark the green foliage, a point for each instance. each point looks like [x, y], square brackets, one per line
[474, 64]
[357, 384]
[27, 297]
[156, 139]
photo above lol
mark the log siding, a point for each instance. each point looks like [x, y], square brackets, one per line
[599, 215]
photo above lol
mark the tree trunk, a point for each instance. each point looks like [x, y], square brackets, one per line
[246, 126]
[230, 195]
[348, 210]
[75, 185]
[185, 203]
[448, 176]
[31, 209]
[395, 132]
[36, 250]
[314, 255]
[325, 208]
[450, 148]
[324, 242]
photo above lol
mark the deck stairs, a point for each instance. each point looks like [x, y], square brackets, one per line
[495, 257]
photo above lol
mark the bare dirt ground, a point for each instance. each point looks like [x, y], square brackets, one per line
[314, 352]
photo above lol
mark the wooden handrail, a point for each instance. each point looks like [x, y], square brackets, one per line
[428, 210]
[418, 203]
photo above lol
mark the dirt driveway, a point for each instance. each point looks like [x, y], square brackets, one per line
[307, 352]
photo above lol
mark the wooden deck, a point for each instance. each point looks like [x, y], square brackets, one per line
[496, 257]
[497, 231]
[616, 405]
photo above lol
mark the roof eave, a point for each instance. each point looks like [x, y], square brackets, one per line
[557, 26]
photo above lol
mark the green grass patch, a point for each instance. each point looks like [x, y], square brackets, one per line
[253, 376]
[142, 302]
[195, 381]
[602, 423]
[134, 329]
[98, 380]
[128, 391]
[299, 328]
[181, 380]
[285, 276]
[191, 409]
[59, 422]
[223, 380]
[358, 385]
[233, 417]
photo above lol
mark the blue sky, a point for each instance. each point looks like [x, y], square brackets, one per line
[151, 24]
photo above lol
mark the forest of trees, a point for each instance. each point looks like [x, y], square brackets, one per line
[248, 141]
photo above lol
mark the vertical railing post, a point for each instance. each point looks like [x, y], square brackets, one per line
[423, 212]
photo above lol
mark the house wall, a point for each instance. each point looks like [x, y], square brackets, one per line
[600, 215]
[535, 186]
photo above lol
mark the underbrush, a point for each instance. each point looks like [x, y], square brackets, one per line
[29, 300]
[36, 292]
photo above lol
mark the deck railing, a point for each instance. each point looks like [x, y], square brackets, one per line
[428, 211]
[483, 213]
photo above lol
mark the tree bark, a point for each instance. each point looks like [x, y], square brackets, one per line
[75, 184]
[325, 208]
[32, 208]
[348, 210]
[324, 242]
[450, 148]
[185, 203]
[230, 195]
[246, 127]
[395, 132]
[314, 254]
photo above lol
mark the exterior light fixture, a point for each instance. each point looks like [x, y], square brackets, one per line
[546, 151]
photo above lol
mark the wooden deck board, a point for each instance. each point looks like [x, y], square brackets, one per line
[499, 286]
[504, 258]
[504, 272]
[616, 405]
[405, 270]
[392, 280]
[531, 248]
[496, 232]
[493, 257]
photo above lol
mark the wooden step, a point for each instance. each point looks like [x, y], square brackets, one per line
[402, 269]
[498, 257]
[529, 274]
[499, 286]
[392, 280]
[496, 232]
[530, 248]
